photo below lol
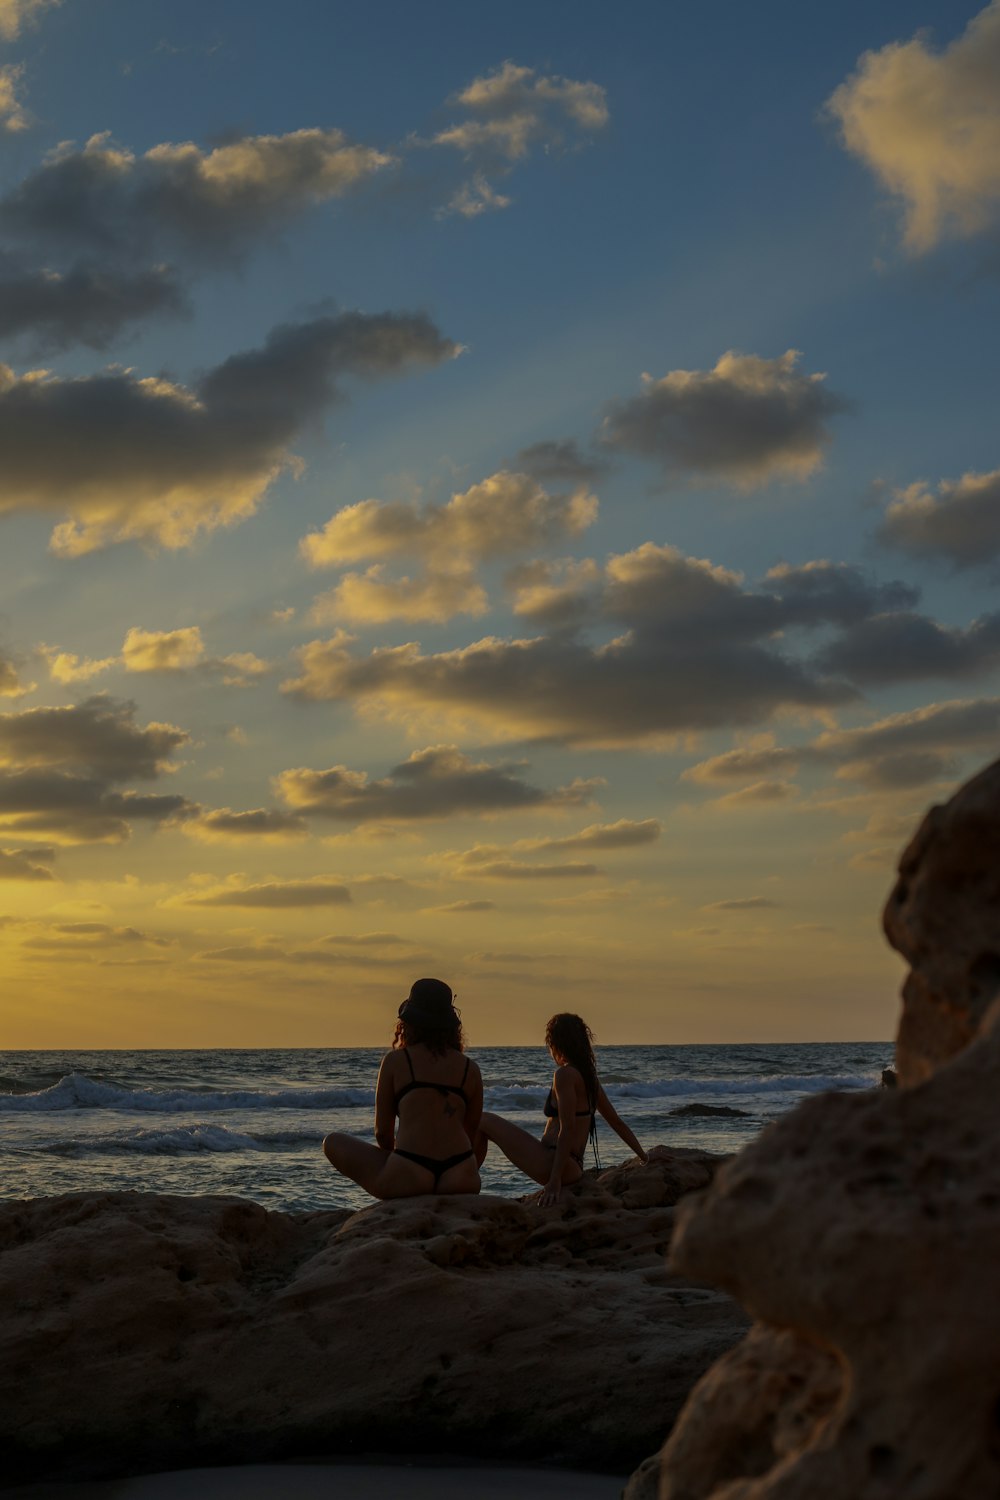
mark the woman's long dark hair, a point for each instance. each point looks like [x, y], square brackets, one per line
[437, 1039]
[573, 1039]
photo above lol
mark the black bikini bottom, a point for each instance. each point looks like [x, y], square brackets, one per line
[551, 1146]
[438, 1165]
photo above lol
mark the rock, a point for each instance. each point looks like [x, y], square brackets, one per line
[861, 1230]
[943, 917]
[144, 1332]
[709, 1109]
[890, 1078]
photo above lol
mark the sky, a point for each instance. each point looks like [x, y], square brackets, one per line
[508, 493]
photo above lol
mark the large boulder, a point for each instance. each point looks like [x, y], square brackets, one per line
[943, 916]
[144, 1332]
[863, 1231]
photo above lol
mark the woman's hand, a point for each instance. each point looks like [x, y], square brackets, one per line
[550, 1194]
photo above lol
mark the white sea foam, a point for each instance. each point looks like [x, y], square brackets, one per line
[182, 1140]
[78, 1092]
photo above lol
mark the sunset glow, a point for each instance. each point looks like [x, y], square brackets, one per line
[509, 493]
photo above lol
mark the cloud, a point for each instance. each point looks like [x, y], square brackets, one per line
[131, 459]
[516, 869]
[473, 198]
[838, 593]
[162, 650]
[555, 594]
[746, 422]
[503, 514]
[275, 894]
[368, 940]
[960, 525]
[372, 598]
[559, 460]
[744, 761]
[267, 824]
[511, 110]
[16, 13]
[757, 794]
[103, 199]
[86, 304]
[26, 864]
[98, 736]
[906, 647]
[897, 752]
[493, 862]
[743, 903]
[928, 125]
[438, 782]
[167, 651]
[11, 685]
[913, 747]
[80, 809]
[61, 771]
[684, 625]
[625, 834]
[461, 908]
[82, 937]
[13, 115]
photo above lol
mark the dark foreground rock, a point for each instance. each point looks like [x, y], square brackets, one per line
[863, 1232]
[143, 1332]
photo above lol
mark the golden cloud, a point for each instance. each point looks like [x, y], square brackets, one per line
[928, 126]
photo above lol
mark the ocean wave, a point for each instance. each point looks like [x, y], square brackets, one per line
[183, 1140]
[76, 1091]
[781, 1083]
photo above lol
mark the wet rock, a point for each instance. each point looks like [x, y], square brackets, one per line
[709, 1110]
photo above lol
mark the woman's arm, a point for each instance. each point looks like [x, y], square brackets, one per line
[564, 1089]
[617, 1124]
[385, 1105]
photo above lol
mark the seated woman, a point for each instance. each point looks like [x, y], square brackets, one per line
[436, 1094]
[574, 1101]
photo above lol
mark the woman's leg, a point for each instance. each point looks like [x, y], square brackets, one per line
[384, 1174]
[524, 1150]
[356, 1159]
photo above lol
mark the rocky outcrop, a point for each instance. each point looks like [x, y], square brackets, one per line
[943, 916]
[143, 1332]
[862, 1231]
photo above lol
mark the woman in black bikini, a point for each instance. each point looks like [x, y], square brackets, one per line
[437, 1095]
[571, 1109]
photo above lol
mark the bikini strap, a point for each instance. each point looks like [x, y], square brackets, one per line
[465, 1074]
[409, 1059]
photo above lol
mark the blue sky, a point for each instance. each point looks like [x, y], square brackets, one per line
[693, 310]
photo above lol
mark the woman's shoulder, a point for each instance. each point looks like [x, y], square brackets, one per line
[566, 1073]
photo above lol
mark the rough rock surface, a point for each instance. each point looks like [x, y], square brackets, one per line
[944, 917]
[863, 1231]
[142, 1332]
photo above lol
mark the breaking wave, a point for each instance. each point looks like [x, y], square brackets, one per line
[78, 1092]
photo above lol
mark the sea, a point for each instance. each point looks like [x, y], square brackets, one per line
[251, 1123]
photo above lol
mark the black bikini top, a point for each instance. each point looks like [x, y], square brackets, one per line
[425, 1083]
[550, 1109]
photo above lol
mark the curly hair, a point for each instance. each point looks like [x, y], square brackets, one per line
[572, 1038]
[437, 1039]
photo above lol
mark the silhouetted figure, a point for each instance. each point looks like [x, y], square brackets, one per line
[571, 1109]
[436, 1093]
